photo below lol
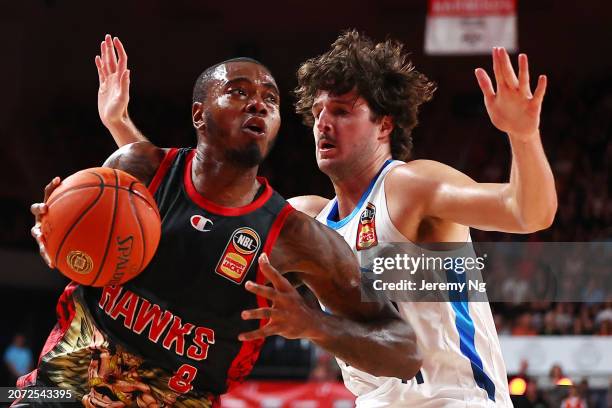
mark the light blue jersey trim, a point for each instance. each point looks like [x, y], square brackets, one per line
[333, 213]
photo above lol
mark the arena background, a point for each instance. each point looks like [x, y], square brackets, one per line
[50, 126]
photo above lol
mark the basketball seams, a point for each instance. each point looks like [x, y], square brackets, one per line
[142, 197]
[82, 186]
[142, 234]
[110, 234]
[80, 217]
[75, 188]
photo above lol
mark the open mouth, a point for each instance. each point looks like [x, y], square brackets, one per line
[255, 128]
[255, 125]
[325, 144]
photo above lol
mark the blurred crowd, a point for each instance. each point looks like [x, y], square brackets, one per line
[555, 391]
[553, 319]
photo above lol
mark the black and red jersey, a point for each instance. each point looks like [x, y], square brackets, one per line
[170, 335]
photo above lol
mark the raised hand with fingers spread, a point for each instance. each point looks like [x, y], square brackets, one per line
[512, 107]
[114, 91]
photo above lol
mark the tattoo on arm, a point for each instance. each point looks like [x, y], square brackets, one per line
[140, 159]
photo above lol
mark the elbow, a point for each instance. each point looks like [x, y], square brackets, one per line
[410, 368]
[413, 361]
[406, 360]
[549, 218]
[551, 211]
[541, 221]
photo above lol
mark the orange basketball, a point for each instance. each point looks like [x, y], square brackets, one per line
[102, 227]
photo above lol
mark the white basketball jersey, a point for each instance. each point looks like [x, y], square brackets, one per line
[462, 360]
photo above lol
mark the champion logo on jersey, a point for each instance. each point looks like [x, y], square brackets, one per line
[239, 254]
[366, 230]
[201, 223]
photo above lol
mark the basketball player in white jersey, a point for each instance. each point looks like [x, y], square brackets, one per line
[362, 100]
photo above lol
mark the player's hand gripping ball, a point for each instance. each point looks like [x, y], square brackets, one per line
[102, 227]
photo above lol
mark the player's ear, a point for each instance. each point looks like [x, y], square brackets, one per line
[386, 127]
[197, 115]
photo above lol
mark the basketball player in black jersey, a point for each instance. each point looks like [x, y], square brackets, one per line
[179, 334]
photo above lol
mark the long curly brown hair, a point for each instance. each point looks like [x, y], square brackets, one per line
[381, 73]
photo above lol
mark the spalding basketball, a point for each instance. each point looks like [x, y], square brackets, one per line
[102, 227]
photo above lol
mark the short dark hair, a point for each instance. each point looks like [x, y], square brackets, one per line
[381, 73]
[200, 88]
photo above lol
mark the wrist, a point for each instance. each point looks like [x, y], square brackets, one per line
[526, 137]
[317, 330]
[117, 123]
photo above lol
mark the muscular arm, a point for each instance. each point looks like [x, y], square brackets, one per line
[525, 204]
[140, 159]
[369, 336]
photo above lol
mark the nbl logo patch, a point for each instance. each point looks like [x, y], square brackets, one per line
[366, 231]
[239, 254]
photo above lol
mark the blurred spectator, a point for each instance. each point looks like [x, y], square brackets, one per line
[523, 368]
[555, 375]
[563, 318]
[603, 321]
[605, 328]
[523, 326]
[593, 293]
[550, 324]
[515, 290]
[18, 358]
[500, 324]
[584, 392]
[558, 384]
[586, 321]
[534, 397]
[605, 314]
[574, 400]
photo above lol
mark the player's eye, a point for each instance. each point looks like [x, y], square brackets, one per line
[272, 98]
[341, 112]
[237, 91]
